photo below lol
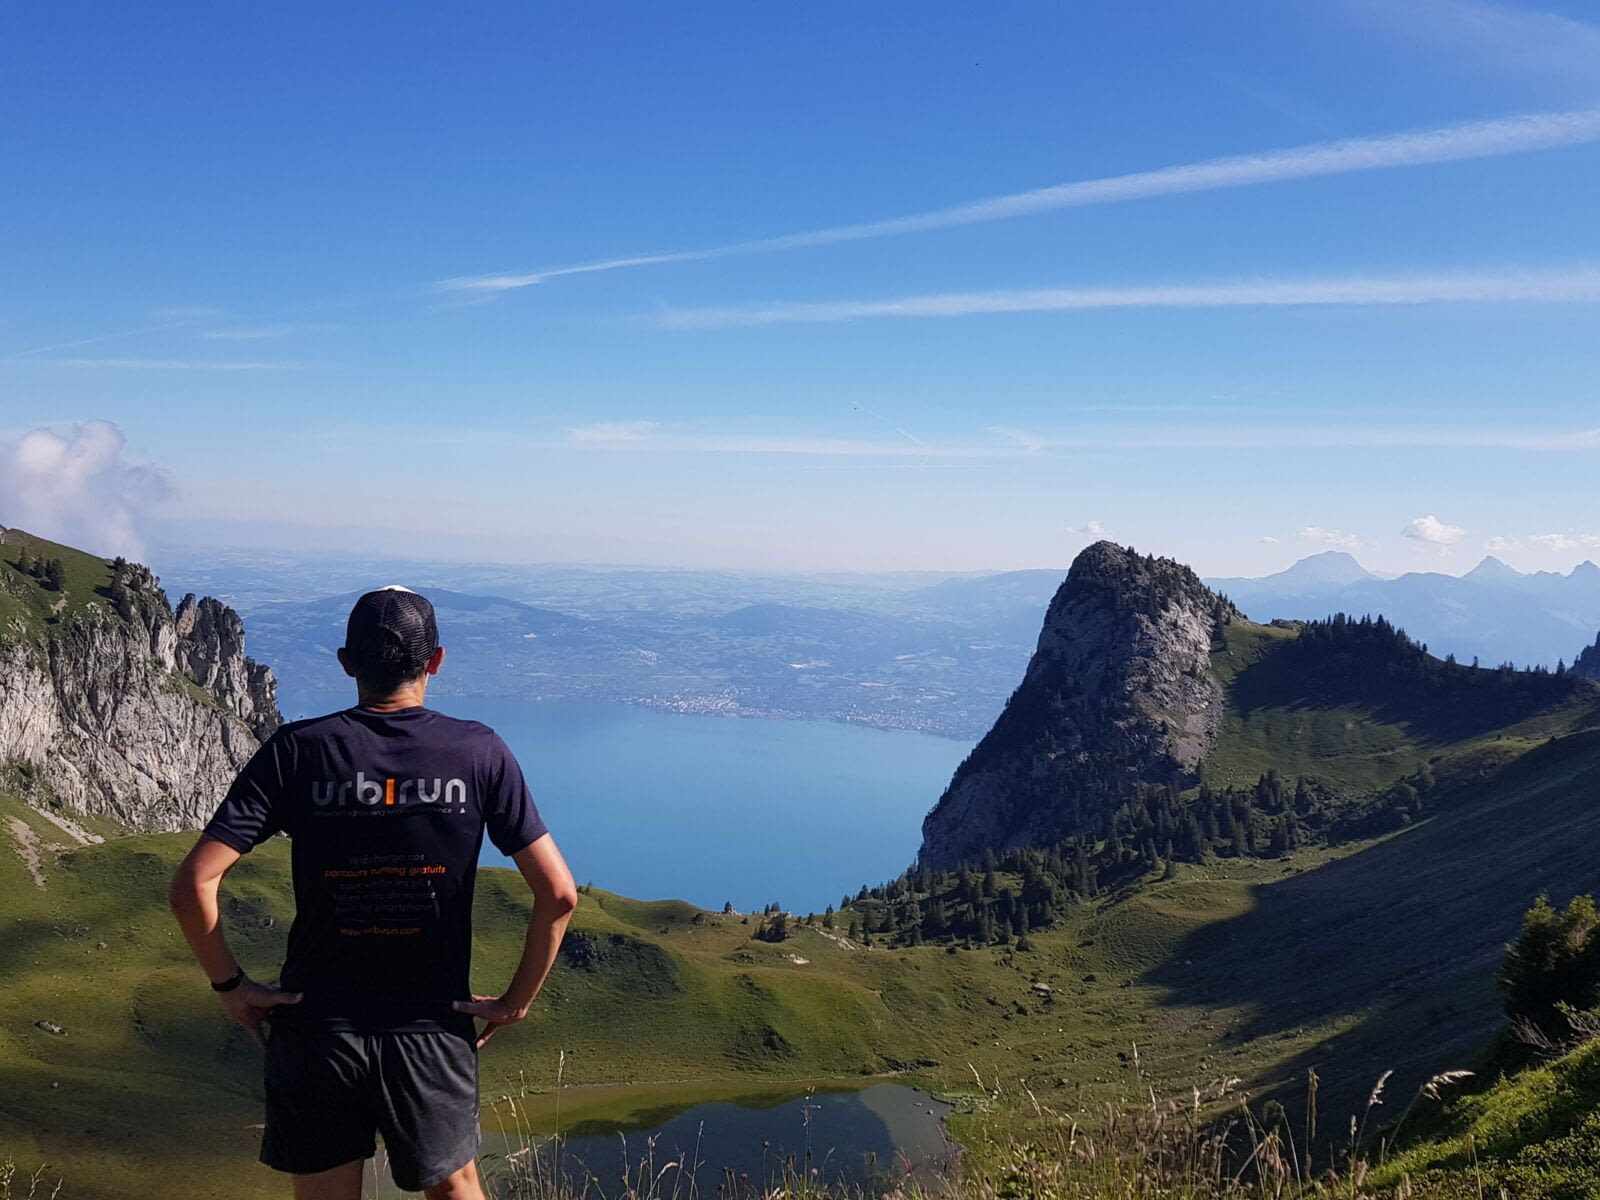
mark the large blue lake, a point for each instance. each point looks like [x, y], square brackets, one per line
[709, 809]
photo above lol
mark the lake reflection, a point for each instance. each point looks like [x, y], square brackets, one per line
[867, 1138]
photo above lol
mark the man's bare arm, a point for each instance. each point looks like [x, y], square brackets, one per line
[193, 897]
[555, 896]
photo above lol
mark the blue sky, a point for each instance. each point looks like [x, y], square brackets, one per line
[923, 285]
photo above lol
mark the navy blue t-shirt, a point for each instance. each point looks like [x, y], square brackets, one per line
[386, 813]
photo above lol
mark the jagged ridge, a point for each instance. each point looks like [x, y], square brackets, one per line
[112, 705]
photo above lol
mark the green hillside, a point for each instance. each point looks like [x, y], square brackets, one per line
[1353, 960]
[1535, 1136]
[27, 605]
[1359, 707]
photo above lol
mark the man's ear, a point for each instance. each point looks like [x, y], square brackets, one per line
[344, 661]
[435, 660]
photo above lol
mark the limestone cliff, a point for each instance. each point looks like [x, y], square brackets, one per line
[1119, 693]
[112, 706]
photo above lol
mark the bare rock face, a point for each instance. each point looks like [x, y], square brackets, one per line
[1119, 693]
[210, 651]
[127, 711]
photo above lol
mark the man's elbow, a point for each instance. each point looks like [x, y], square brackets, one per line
[186, 892]
[183, 892]
[560, 904]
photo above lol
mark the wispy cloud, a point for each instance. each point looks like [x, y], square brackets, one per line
[1548, 45]
[613, 431]
[260, 333]
[1564, 543]
[1005, 443]
[157, 364]
[1554, 543]
[646, 436]
[1334, 539]
[1449, 143]
[184, 313]
[1576, 285]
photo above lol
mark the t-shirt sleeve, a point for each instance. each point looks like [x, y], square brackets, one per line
[510, 815]
[253, 810]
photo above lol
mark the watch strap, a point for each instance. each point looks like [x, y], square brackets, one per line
[227, 985]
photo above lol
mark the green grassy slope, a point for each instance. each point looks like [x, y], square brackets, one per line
[1535, 1136]
[1358, 728]
[1375, 956]
[27, 607]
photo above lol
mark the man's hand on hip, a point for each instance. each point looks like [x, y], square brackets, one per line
[251, 1001]
[496, 1010]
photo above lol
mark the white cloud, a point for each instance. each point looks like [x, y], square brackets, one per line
[1575, 285]
[1093, 529]
[78, 488]
[1268, 539]
[1431, 529]
[1502, 545]
[1450, 143]
[1332, 538]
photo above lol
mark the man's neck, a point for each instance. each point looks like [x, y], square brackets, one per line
[409, 697]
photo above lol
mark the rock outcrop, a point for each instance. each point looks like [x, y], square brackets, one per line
[114, 707]
[210, 651]
[1119, 693]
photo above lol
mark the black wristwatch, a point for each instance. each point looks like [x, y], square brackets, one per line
[227, 985]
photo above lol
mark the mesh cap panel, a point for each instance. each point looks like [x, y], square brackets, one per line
[391, 635]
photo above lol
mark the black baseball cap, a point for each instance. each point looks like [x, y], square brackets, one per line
[391, 635]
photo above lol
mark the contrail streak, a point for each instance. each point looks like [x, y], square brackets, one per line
[1449, 143]
[1579, 285]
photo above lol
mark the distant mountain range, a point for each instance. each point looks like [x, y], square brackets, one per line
[939, 663]
[918, 651]
[1493, 613]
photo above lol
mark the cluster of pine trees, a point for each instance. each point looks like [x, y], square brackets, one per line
[1372, 657]
[1003, 898]
[51, 572]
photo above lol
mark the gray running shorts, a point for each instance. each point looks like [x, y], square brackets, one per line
[329, 1092]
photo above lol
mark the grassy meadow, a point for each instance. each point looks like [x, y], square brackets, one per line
[1351, 962]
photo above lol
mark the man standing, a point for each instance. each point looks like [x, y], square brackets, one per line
[372, 1029]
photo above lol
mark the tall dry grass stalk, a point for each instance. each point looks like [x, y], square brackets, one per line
[1210, 1144]
[36, 1183]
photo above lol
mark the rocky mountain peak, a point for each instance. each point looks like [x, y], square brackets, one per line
[1492, 568]
[1118, 693]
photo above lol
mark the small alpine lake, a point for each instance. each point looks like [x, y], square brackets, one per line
[861, 1134]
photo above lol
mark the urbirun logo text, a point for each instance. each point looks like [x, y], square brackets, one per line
[387, 792]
